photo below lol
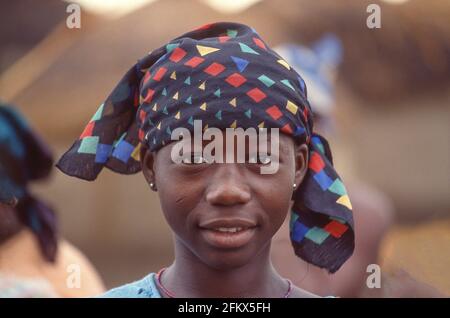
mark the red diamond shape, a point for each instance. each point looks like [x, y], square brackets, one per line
[141, 134]
[259, 43]
[205, 26]
[315, 162]
[256, 94]
[146, 77]
[274, 112]
[193, 62]
[236, 79]
[214, 69]
[305, 114]
[287, 129]
[88, 130]
[136, 98]
[177, 54]
[336, 228]
[159, 73]
[223, 38]
[149, 96]
[142, 115]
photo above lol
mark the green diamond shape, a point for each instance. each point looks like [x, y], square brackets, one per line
[247, 49]
[293, 219]
[317, 235]
[266, 80]
[321, 148]
[89, 145]
[170, 47]
[288, 84]
[338, 187]
[232, 33]
[98, 113]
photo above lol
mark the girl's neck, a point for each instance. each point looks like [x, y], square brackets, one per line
[188, 276]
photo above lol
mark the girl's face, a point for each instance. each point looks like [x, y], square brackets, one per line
[225, 213]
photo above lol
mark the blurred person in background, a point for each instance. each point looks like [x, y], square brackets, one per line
[373, 210]
[34, 259]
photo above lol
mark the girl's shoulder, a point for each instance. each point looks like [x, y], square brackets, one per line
[143, 288]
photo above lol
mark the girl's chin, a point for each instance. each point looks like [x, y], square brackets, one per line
[227, 259]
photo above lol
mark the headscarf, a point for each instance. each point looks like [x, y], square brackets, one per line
[226, 75]
[24, 158]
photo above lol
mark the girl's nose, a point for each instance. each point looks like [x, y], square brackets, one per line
[227, 186]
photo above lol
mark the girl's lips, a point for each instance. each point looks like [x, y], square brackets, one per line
[226, 239]
[227, 222]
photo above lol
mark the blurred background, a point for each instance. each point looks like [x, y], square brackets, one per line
[392, 113]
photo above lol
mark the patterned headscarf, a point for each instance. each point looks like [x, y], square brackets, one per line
[227, 76]
[24, 158]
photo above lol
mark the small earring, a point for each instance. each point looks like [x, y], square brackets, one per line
[152, 186]
[295, 185]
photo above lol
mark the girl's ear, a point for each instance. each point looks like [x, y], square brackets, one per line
[301, 163]
[147, 164]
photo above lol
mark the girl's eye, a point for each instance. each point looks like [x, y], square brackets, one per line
[194, 159]
[261, 159]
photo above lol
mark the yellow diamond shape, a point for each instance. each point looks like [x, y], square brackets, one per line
[345, 201]
[284, 63]
[135, 154]
[290, 106]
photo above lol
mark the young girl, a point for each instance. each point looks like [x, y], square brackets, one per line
[223, 215]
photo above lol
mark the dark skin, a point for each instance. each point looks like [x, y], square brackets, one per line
[192, 193]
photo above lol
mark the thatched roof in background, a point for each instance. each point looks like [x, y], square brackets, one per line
[24, 23]
[78, 80]
[22, 26]
[408, 55]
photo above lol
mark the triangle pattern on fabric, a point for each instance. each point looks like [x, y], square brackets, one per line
[204, 50]
[241, 64]
[247, 49]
